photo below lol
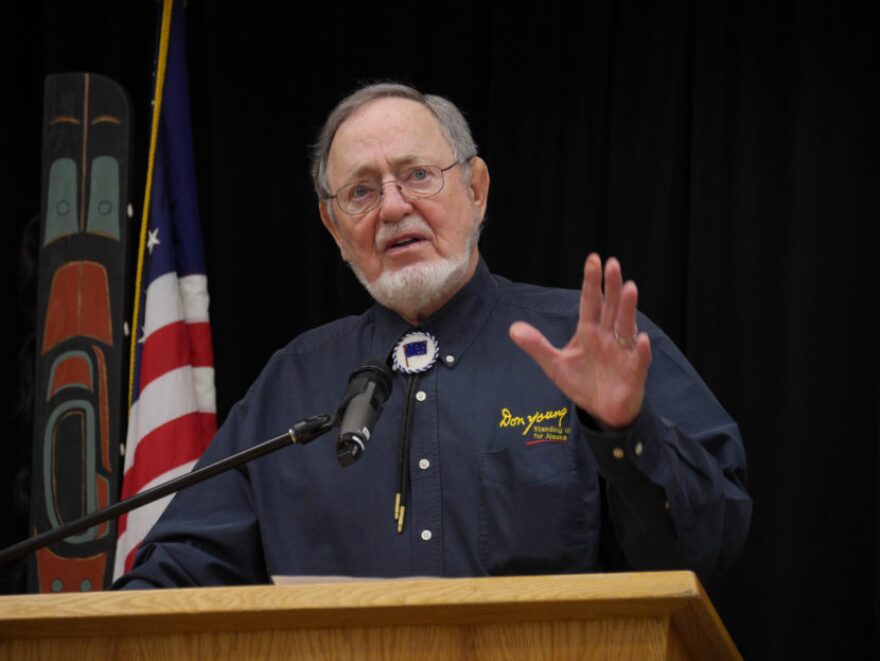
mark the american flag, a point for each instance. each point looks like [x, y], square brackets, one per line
[173, 412]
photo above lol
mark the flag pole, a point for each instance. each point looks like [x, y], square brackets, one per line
[164, 36]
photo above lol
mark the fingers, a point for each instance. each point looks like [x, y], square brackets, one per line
[616, 312]
[643, 348]
[625, 326]
[591, 290]
[532, 341]
[613, 285]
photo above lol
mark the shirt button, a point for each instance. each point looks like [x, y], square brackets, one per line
[618, 453]
[426, 535]
[424, 464]
[639, 448]
[421, 396]
[449, 359]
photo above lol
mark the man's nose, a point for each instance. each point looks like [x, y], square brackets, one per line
[393, 205]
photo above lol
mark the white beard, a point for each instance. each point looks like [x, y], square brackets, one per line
[419, 286]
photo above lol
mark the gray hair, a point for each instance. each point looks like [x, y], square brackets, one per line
[453, 125]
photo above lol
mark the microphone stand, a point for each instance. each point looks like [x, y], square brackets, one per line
[303, 432]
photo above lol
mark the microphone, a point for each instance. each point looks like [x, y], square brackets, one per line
[368, 388]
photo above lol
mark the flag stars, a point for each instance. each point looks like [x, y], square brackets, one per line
[153, 239]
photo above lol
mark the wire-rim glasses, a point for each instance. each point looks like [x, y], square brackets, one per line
[413, 182]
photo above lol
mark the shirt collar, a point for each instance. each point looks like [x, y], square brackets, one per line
[455, 325]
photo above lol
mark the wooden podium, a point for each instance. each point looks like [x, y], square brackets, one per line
[663, 615]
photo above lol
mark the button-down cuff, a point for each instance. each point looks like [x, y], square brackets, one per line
[627, 455]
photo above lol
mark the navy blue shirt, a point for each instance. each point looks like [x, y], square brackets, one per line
[506, 476]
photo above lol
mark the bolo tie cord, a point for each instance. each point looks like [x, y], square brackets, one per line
[400, 496]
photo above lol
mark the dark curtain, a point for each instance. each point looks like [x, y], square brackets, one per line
[725, 152]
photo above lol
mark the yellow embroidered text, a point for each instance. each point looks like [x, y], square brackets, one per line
[510, 420]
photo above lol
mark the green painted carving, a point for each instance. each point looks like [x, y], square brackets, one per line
[61, 209]
[103, 215]
[89, 443]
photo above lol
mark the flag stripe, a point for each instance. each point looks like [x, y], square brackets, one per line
[203, 385]
[137, 514]
[163, 304]
[171, 299]
[160, 450]
[174, 346]
[132, 526]
[172, 395]
[201, 346]
[194, 296]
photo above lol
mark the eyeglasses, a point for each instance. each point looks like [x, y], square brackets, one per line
[417, 181]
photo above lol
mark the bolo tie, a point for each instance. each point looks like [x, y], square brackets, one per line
[414, 354]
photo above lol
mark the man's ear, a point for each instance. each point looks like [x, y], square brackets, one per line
[478, 187]
[330, 223]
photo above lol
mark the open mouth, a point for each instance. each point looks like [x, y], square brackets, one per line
[402, 242]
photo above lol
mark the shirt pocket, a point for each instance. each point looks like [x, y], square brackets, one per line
[539, 511]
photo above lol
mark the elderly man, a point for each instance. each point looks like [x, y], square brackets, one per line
[497, 453]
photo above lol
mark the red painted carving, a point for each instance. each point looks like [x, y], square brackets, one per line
[79, 304]
[72, 371]
[71, 574]
[103, 408]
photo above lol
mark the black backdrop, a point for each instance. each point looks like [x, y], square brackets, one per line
[726, 154]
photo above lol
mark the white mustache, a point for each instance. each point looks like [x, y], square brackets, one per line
[413, 223]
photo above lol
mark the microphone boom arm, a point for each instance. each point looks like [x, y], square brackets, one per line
[303, 432]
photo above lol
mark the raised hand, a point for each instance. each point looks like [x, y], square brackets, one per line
[604, 366]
